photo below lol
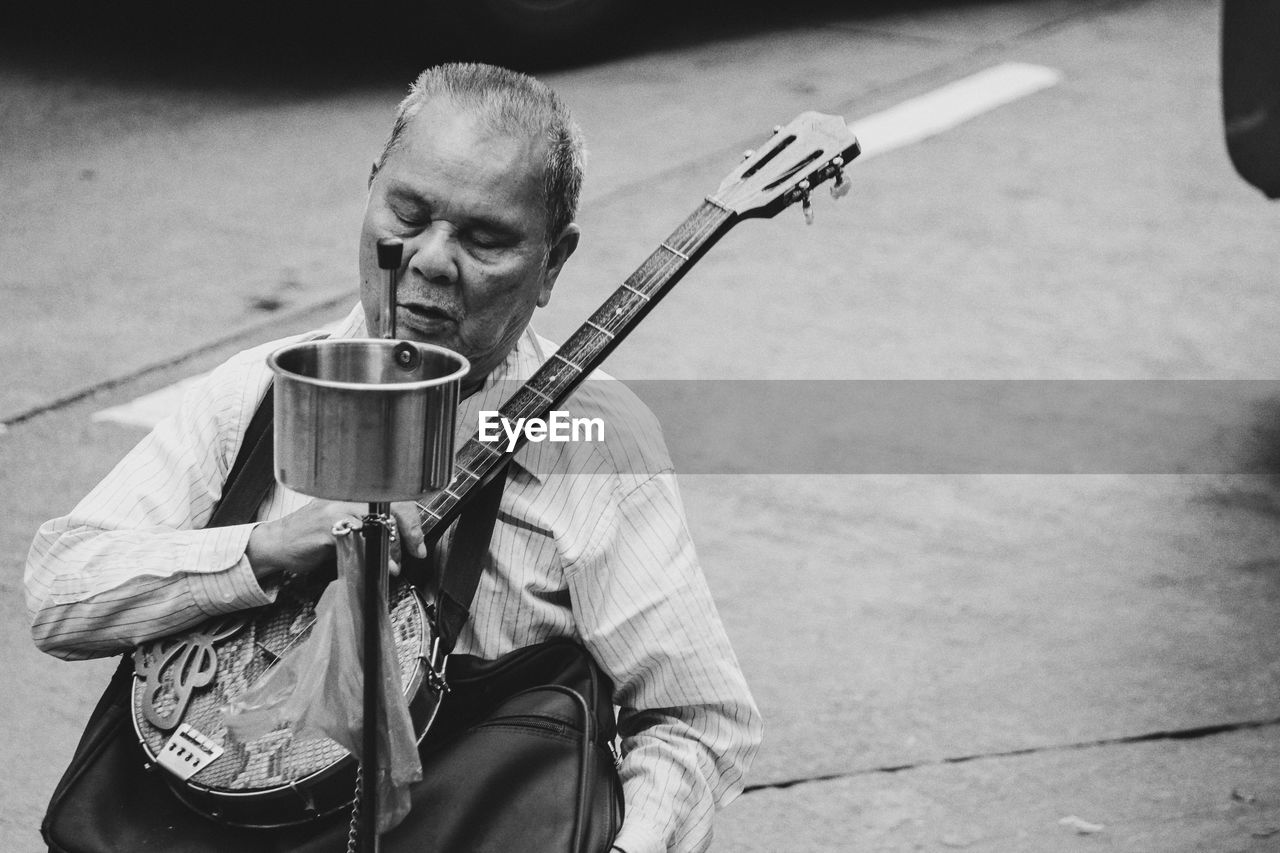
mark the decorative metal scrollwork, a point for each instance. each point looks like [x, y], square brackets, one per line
[172, 668]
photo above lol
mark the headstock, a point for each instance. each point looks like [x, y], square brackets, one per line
[812, 149]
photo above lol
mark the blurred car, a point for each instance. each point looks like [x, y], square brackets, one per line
[543, 30]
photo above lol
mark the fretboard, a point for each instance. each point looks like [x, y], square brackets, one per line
[477, 461]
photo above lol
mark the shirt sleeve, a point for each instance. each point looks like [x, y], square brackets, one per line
[688, 723]
[131, 561]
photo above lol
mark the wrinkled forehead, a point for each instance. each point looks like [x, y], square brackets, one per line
[462, 127]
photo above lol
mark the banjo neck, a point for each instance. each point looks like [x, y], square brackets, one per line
[478, 461]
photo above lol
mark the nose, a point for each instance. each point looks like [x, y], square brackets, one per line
[434, 254]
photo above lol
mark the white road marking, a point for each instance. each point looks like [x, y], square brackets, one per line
[147, 410]
[904, 124]
[951, 105]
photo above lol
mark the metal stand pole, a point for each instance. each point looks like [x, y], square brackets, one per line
[377, 552]
[377, 559]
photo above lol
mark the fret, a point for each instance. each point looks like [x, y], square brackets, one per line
[673, 250]
[639, 293]
[616, 313]
[654, 272]
[521, 402]
[567, 361]
[493, 452]
[561, 385]
[583, 347]
[526, 402]
[711, 200]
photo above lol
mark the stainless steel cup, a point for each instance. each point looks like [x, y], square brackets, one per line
[365, 420]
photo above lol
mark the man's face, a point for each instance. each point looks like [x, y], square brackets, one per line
[469, 205]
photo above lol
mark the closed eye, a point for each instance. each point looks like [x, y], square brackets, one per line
[486, 240]
[487, 237]
[412, 218]
[409, 209]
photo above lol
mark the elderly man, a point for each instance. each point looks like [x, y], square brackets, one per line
[480, 180]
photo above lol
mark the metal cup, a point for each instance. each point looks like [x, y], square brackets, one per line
[364, 419]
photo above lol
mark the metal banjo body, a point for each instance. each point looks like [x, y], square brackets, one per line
[182, 684]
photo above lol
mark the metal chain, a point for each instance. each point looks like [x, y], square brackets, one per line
[352, 830]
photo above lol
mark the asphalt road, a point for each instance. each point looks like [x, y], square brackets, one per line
[951, 651]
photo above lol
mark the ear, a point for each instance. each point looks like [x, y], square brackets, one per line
[560, 250]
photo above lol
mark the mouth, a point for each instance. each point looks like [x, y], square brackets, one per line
[424, 317]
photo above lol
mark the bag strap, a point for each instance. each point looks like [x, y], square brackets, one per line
[466, 560]
[252, 475]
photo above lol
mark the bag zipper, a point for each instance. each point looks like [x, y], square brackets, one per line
[530, 721]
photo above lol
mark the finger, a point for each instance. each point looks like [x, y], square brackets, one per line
[346, 524]
[410, 525]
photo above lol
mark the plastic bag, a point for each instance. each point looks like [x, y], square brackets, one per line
[320, 687]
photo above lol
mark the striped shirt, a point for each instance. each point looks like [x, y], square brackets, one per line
[591, 543]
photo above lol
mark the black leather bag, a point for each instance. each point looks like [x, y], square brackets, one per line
[519, 758]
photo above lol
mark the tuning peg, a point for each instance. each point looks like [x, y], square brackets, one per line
[748, 154]
[839, 186]
[806, 206]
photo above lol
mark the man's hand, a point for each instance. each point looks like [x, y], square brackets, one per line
[303, 541]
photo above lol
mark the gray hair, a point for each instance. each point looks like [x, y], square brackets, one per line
[509, 101]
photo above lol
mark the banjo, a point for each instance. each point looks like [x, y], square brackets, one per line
[183, 683]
